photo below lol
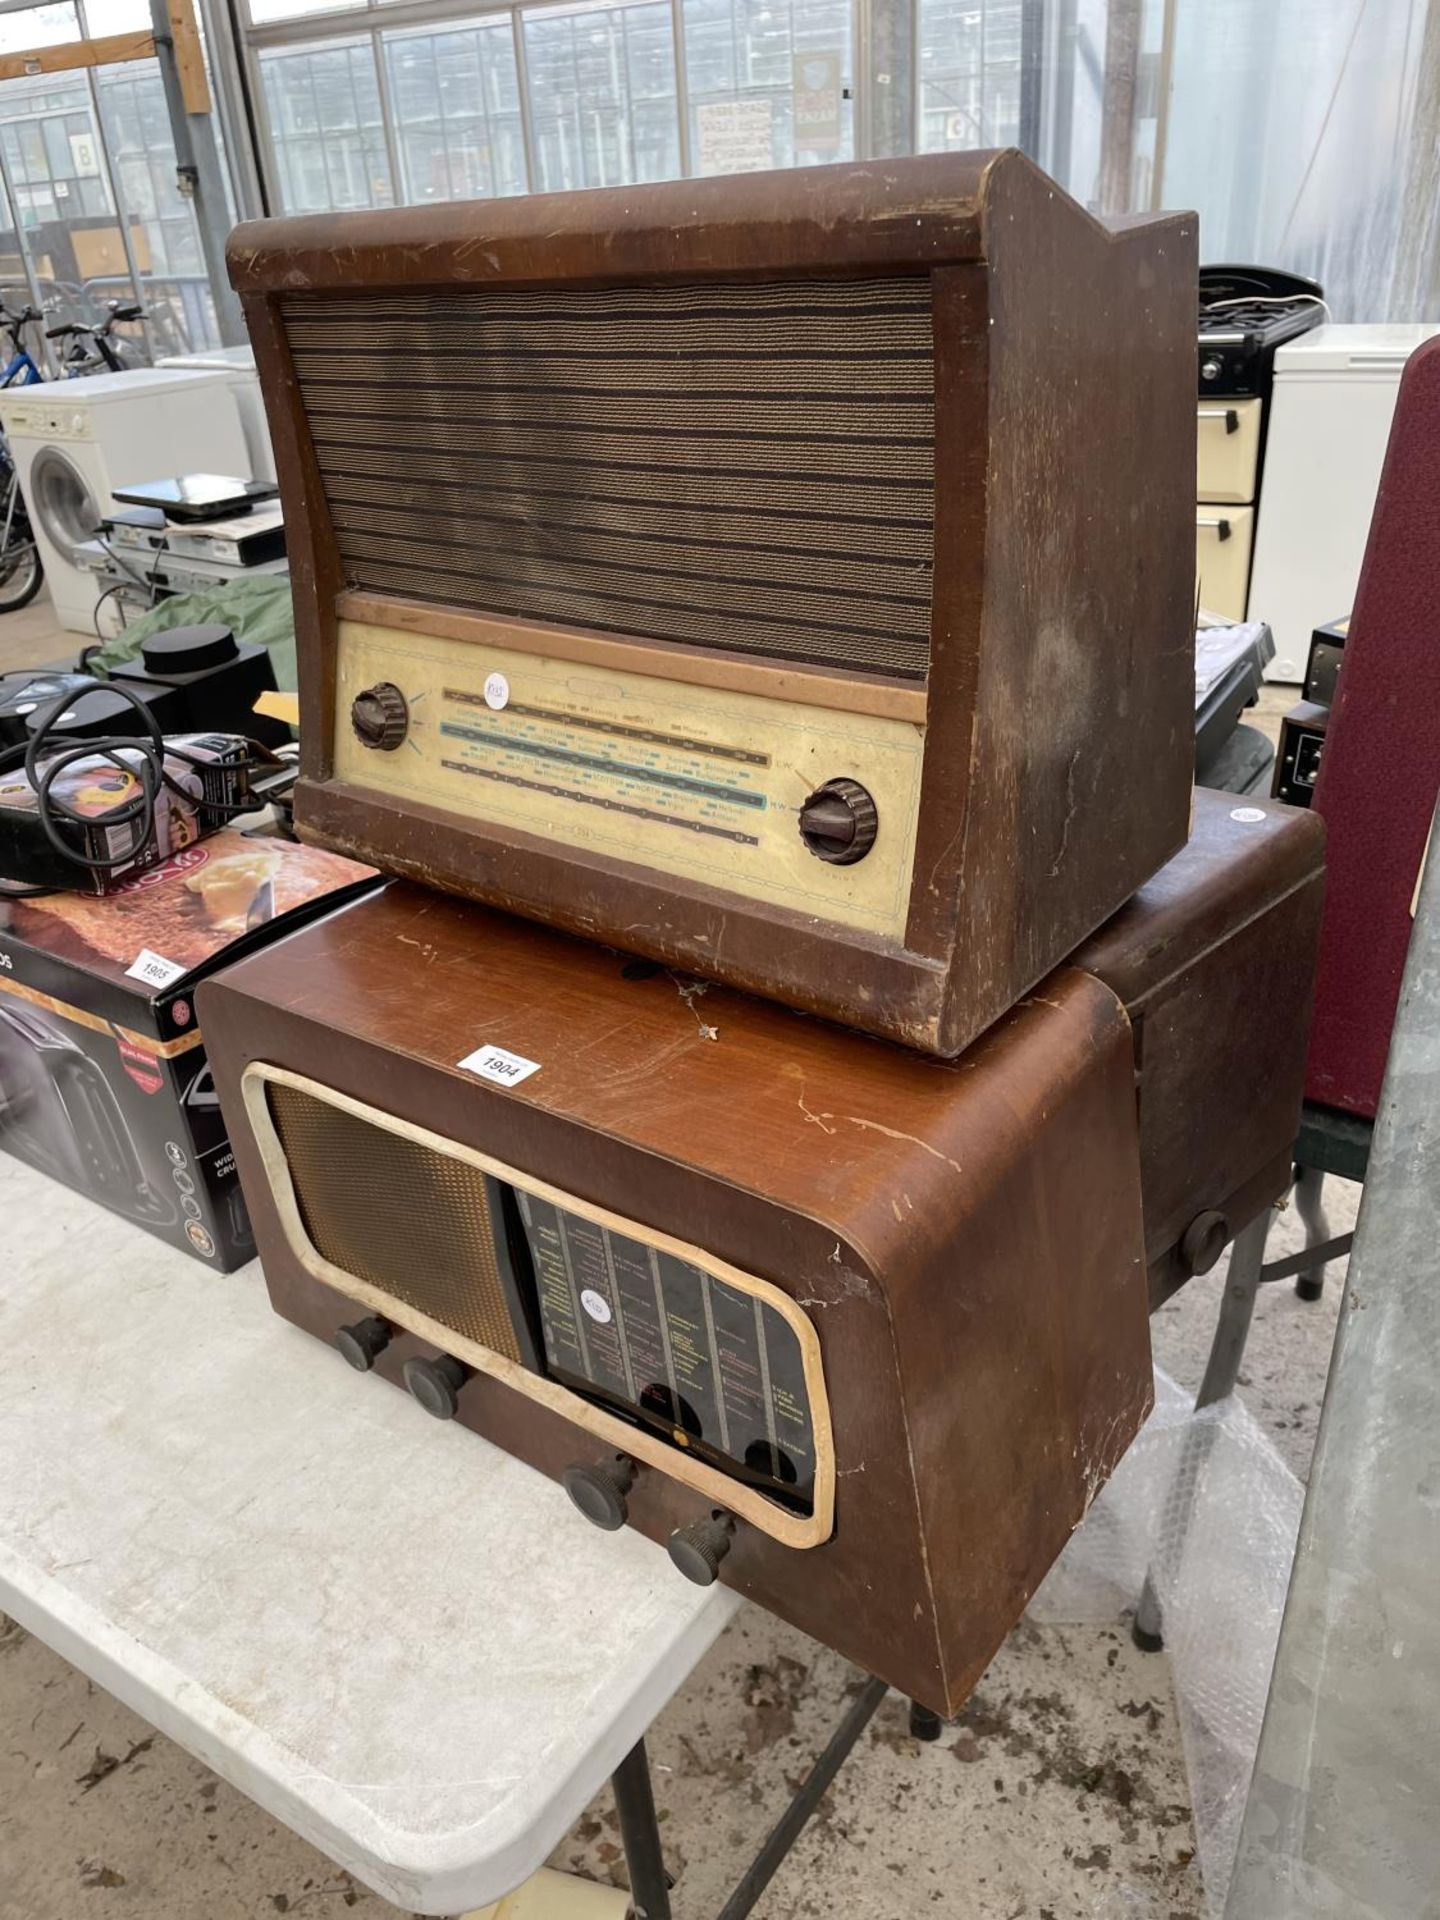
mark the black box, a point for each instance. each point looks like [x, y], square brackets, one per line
[1297, 764]
[104, 1083]
[1322, 670]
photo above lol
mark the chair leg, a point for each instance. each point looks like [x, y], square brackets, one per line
[1310, 1205]
[1222, 1370]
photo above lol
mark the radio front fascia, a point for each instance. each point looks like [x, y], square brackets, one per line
[791, 1529]
[700, 783]
[1025, 833]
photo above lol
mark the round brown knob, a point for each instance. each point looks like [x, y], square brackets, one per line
[1203, 1242]
[839, 822]
[380, 716]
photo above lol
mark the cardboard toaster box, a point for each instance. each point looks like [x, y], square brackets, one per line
[104, 1082]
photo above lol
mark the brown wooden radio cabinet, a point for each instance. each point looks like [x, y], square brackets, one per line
[860, 1330]
[783, 576]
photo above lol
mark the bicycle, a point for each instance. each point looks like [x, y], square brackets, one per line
[92, 349]
[105, 354]
[21, 370]
[21, 570]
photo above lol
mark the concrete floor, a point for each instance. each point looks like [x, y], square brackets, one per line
[30, 637]
[1059, 1795]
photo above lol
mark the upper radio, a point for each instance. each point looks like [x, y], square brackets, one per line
[786, 576]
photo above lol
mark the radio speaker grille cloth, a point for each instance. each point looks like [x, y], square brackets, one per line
[410, 1221]
[740, 466]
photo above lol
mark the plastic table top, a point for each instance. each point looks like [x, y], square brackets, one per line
[401, 1642]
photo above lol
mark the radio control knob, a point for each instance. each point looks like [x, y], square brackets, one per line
[436, 1384]
[599, 1491]
[839, 822]
[362, 1344]
[698, 1549]
[380, 716]
[1203, 1242]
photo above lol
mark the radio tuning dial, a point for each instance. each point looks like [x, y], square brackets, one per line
[839, 822]
[380, 716]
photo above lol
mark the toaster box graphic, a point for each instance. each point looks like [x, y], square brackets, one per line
[104, 1081]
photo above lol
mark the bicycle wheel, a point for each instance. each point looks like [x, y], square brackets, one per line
[20, 571]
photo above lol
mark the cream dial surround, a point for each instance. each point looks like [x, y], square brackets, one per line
[697, 781]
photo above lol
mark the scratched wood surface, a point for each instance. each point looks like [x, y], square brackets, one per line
[1059, 693]
[966, 1238]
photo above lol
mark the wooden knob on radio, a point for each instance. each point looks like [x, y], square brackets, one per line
[436, 1384]
[362, 1344]
[380, 716]
[599, 1490]
[698, 1549]
[1203, 1242]
[839, 822]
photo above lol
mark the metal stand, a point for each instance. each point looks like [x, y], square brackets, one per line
[635, 1803]
[1310, 1204]
[1222, 1369]
[640, 1836]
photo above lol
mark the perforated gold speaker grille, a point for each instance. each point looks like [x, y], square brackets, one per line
[395, 1213]
[740, 466]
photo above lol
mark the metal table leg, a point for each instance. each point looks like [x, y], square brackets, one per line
[640, 1835]
[787, 1828]
[1222, 1369]
[1310, 1204]
[640, 1832]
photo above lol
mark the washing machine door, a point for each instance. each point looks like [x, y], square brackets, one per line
[62, 507]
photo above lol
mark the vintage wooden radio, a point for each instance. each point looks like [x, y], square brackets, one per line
[858, 1330]
[782, 576]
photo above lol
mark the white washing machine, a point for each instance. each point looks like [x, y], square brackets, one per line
[239, 363]
[74, 441]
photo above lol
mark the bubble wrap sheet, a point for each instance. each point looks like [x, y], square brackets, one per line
[1221, 1580]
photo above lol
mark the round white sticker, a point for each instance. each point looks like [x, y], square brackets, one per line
[1247, 816]
[497, 691]
[596, 1305]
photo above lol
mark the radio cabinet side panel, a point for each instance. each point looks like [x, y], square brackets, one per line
[1214, 961]
[315, 570]
[1086, 698]
[1024, 1344]
[1222, 1068]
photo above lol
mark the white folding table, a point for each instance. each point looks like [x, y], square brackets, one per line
[401, 1642]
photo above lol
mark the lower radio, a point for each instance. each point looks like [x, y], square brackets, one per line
[857, 1331]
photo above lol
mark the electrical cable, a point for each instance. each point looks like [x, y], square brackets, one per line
[141, 757]
[1269, 300]
[109, 594]
[145, 763]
